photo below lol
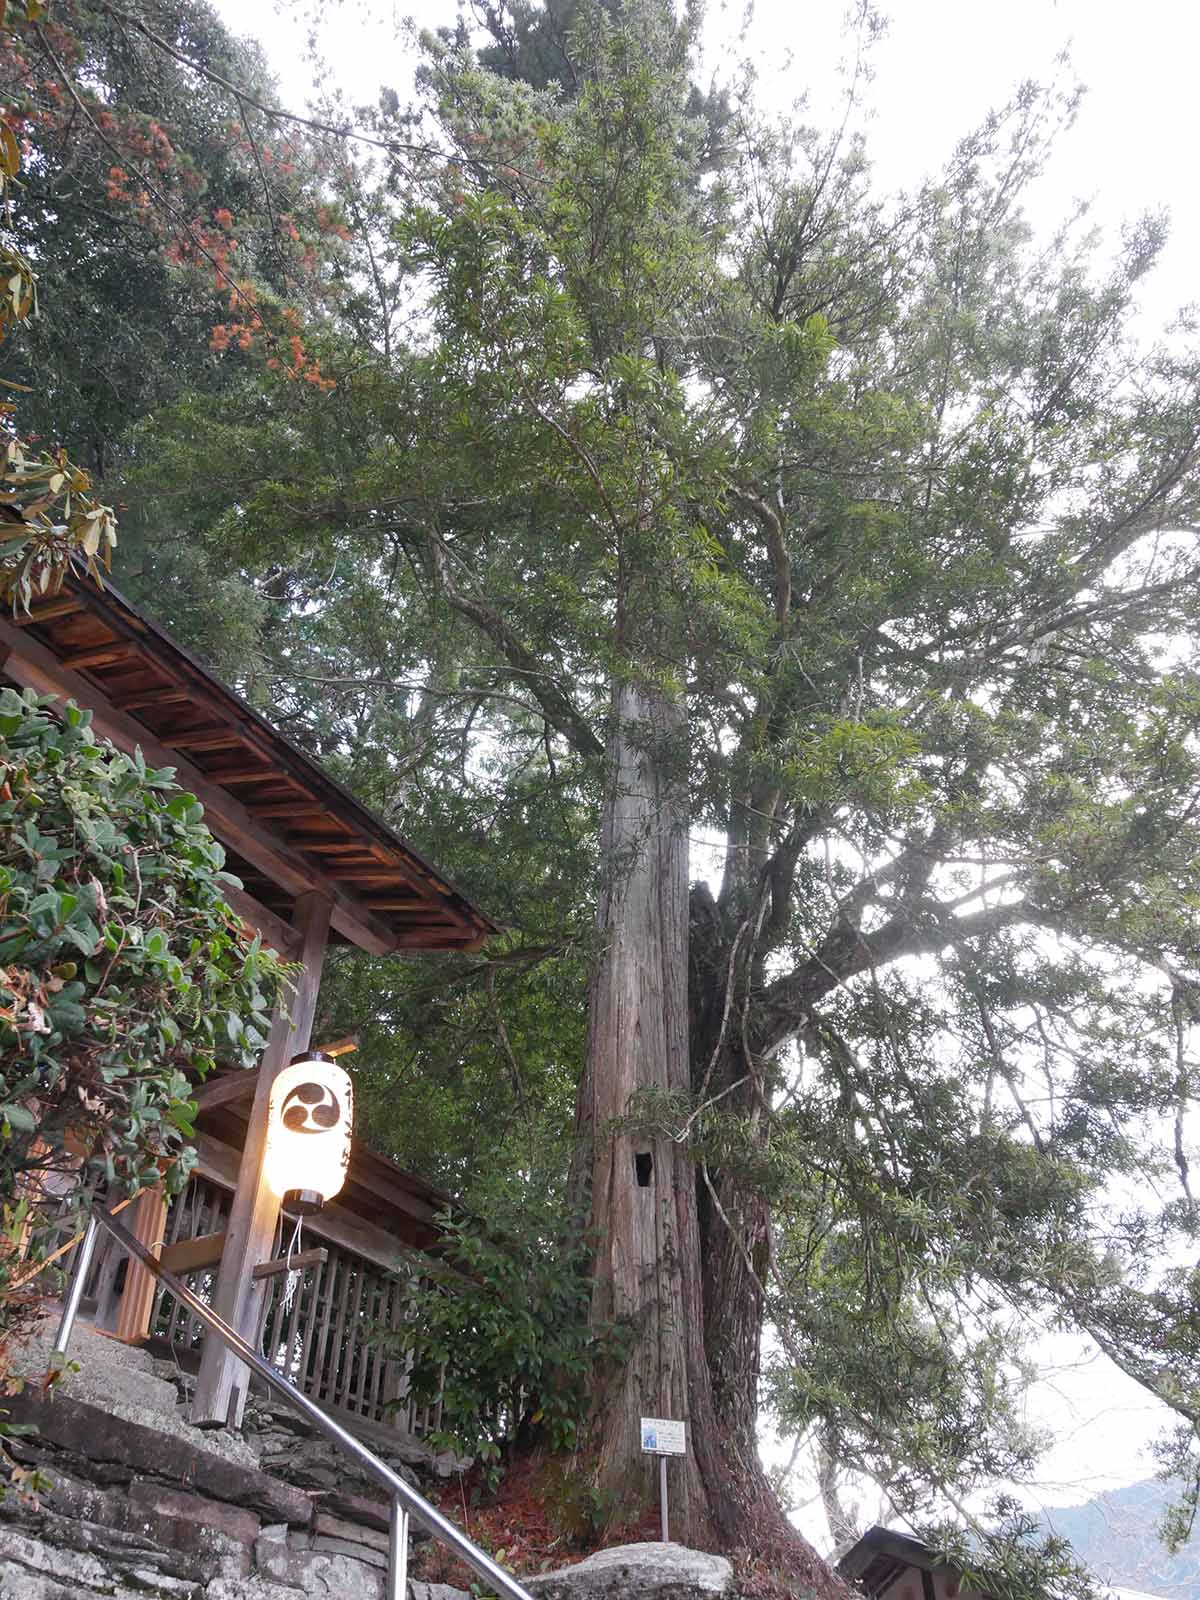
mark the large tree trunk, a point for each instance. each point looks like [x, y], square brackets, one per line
[648, 1266]
[643, 1212]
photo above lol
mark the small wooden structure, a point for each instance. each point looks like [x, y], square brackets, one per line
[316, 866]
[886, 1565]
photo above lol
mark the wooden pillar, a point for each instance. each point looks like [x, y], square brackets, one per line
[221, 1385]
[148, 1219]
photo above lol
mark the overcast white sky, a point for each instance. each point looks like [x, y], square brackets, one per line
[941, 66]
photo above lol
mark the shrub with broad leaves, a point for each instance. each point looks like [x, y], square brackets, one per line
[122, 971]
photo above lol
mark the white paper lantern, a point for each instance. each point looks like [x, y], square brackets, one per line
[308, 1132]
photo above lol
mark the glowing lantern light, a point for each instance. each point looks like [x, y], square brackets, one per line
[308, 1132]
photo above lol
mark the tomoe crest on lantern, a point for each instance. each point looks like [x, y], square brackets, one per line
[308, 1133]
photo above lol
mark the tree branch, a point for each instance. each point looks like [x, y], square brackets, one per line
[786, 1003]
[556, 705]
[776, 549]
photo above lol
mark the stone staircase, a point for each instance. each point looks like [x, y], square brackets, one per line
[144, 1505]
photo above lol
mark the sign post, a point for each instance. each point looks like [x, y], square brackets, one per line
[662, 1437]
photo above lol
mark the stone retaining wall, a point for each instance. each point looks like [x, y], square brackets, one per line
[134, 1513]
[143, 1505]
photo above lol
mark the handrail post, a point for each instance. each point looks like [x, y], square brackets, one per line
[70, 1310]
[398, 1553]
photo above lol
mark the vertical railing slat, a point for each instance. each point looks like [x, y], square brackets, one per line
[334, 1277]
[320, 1342]
[351, 1337]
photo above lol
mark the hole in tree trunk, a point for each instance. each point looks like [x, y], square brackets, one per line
[643, 1166]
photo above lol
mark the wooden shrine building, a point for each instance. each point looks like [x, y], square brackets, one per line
[886, 1565]
[317, 867]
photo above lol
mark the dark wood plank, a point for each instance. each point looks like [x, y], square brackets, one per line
[101, 656]
[285, 808]
[381, 873]
[64, 607]
[246, 775]
[137, 699]
[325, 846]
[203, 739]
[190, 1255]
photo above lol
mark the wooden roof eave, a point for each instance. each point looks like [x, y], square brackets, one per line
[203, 687]
[27, 661]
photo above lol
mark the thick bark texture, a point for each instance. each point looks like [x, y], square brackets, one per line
[650, 1269]
[643, 1214]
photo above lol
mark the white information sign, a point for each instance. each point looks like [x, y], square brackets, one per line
[662, 1437]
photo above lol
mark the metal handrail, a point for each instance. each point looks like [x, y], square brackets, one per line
[405, 1500]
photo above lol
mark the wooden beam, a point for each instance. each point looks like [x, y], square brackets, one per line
[219, 1164]
[30, 663]
[148, 1218]
[203, 739]
[421, 938]
[285, 808]
[101, 656]
[275, 930]
[324, 845]
[302, 1259]
[150, 697]
[225, 1090]
[193, 1255]
[377, 1185]
[425, 915]
[66, 607]
[258, 774]
[221, 1385]
[380, 873]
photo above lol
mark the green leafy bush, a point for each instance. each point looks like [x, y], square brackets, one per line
[500, 1331]
[121, 968]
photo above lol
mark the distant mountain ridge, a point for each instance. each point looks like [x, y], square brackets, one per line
[1116, 1535]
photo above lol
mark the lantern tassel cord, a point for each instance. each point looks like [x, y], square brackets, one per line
[293, 1277]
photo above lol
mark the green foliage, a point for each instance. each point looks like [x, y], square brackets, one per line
[1008, 1554]
[500, 1330]
[172, 223]
[122, 969]
[47, 513]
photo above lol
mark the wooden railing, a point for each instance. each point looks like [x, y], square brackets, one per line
[202, 1208]
[323, 1341]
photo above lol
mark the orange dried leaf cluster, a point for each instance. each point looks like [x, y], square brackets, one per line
[141, 171]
